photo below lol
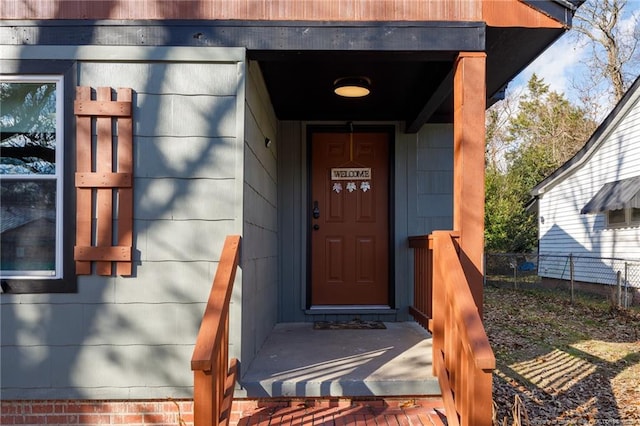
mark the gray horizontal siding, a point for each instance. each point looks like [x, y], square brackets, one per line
[93, 325]
[185, 116]
[185, 199]
[137, 371]
[185, 157]
[186, 240]
[434, 180]
[132, 337]
[165, 78]
[260, 217]
[173, 281]
[292, 224]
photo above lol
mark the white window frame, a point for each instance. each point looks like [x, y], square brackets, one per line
[628, 220]
[58, 176]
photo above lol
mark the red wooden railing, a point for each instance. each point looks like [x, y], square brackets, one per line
[214, 375]
[462, 357]
[422, 280]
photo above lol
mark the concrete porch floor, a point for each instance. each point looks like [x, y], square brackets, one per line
[298, 361]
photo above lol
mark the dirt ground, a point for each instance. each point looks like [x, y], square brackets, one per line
[560, 363]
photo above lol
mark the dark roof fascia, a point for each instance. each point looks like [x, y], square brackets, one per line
[390, 36]
[560, 10]
[595, 138]
[498, 92]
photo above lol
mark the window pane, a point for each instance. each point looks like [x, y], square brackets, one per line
[27, 128]
[28, 218]
[616, 216]
[635, 215]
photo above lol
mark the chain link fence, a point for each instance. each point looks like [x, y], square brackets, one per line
[614, 278]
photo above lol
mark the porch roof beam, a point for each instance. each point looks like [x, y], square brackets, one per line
[259, 36]
[443, 91]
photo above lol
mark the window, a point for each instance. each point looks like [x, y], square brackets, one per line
[634, 210]
[616, 217]
[31, 166]
[624, 217]
[36, 177]
[619, 200]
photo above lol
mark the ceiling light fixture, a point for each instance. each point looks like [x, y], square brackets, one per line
[352, 87]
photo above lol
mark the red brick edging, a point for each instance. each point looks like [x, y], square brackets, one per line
[97, 412]
[180, 412]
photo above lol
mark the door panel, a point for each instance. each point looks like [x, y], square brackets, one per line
[350, 236]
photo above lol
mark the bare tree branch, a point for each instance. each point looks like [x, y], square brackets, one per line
[613, 51]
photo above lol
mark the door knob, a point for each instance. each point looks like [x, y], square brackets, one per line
[316, 227]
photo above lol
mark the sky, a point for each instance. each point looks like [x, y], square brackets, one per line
[561, 63]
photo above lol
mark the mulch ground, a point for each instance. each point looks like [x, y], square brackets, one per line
[563, 363]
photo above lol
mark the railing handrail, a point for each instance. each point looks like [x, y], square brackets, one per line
[217, 306]
[214, 373]
[463, 359]
[465, 309]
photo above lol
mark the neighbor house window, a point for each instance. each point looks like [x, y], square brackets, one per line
[624, 217]
[616, 217]
[31, 176]
[619, 201]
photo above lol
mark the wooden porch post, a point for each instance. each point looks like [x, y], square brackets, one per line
[469, 91]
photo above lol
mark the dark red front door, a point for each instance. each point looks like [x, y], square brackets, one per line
[350, 219]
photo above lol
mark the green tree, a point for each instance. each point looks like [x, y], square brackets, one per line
[27, 127]
[545, 132]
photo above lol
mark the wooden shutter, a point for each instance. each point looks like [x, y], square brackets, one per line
[104, 181]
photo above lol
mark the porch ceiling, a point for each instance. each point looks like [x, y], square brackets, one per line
[301, 85]
[411, 86]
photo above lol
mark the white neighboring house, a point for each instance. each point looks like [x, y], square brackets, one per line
[590, 207]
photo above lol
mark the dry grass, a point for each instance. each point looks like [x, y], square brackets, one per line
[561, 363]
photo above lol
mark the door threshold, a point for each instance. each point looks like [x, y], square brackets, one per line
[350, 309]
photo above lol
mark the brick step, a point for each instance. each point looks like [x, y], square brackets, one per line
[338, 411]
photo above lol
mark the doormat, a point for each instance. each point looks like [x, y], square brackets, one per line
[349, 325]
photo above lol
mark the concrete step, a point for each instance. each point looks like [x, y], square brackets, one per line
[298, 361]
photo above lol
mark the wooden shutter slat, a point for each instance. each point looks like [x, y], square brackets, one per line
[109, 240]
[102, 108]
[104, 164]
[125, 195]
[103, 180]
[111, 253]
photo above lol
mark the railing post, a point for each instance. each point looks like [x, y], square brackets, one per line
[437, 305]
[462, 357]
[214, 375]
[421, 310]
[619, 287]
[482, 386]
[203, 398]
[571, 269]
[626, 284]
